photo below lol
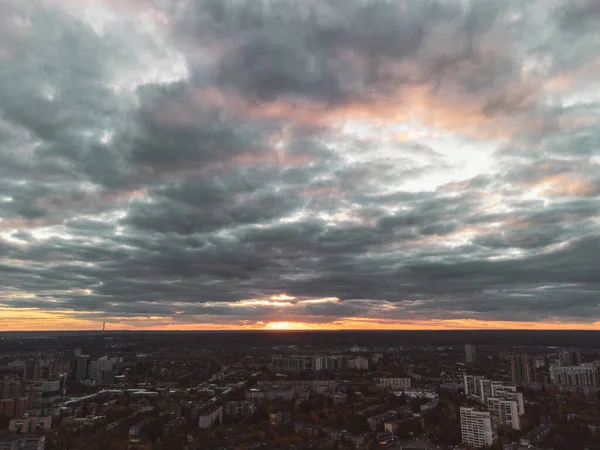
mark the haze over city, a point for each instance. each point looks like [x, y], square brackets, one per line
[335, 164]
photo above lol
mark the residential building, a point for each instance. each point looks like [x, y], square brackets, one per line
[23, 443]
[82, 368]
[210, 416]
[504, 412]
[14, 408]
[332, 362]
[103, 369]
[282, 391]
[471, 384]
[30, 425]
[359, 363]
[393, 383]
[535, 435]
[289, 364]
[585, 375]
[522, 368]
[476, 427]
[470, 355]
[506, 393]
[239, 410]
[570, 358]
[487, 388]
[10, 389]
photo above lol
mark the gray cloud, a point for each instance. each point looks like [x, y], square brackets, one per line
[401, 160]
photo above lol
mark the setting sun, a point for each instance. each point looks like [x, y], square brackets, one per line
[286, 326]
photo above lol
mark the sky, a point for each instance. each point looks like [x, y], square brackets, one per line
[285, 164]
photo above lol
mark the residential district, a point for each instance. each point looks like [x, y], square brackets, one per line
[175, 392]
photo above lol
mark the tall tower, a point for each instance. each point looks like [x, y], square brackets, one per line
[522, 368]
[470, 354]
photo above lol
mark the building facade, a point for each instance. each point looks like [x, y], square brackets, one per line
[585, 375]
[359, 363]
[508, 393]
[30, 425]
[470, 354]
[239, 409]
[393, 383]
[82, 368]
[476, 427]
[570, 358]
[471, 384]
[289, 364]
[522, 368]
[504, 412]
[210, 416]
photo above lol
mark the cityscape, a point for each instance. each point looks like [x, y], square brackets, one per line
[300, 390]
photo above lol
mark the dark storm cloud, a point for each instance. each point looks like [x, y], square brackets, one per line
[239, 150]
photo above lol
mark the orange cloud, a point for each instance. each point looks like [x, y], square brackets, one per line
[562, 185]
[421, 103]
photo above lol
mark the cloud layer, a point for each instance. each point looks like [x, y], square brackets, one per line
[330, 163]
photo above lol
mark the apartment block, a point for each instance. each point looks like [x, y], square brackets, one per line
[585, 375]
[504, 412]
[476, 427]
[393, 383]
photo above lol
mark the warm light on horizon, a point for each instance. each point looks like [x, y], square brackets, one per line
[35, 320]
[287, 326]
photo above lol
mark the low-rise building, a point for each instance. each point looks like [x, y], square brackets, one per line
[279, 418]
[534, 436]
[30, 425]
[23, 443]
[210, 416]
[393, 383]
[239, 410]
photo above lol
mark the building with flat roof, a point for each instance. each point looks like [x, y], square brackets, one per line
[471, 384]
[585, 375]
[289, 363]
[504, 412]
[210, 416]
[470, 354]
[522, 368]
[476, 427]
[393, 383]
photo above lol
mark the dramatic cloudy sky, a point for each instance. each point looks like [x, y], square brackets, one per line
[285, 163]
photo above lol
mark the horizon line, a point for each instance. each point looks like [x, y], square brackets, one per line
[263, 330]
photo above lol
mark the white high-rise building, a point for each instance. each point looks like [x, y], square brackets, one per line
[487, 387]
[476, 427]
[510, 393]
[505, 412]
[471, 384]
